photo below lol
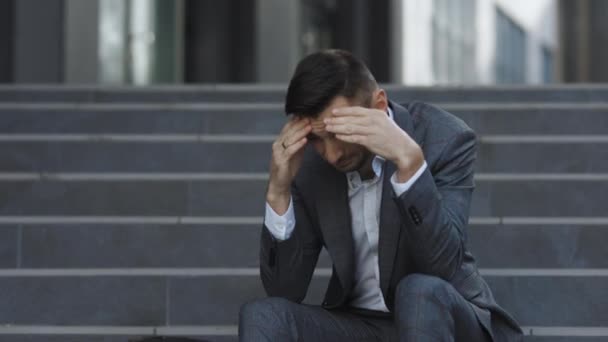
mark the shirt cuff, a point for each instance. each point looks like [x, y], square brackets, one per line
[280, 226]
[401, 188]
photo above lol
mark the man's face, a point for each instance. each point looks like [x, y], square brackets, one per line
[345, 157]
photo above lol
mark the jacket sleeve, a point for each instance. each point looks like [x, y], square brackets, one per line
[435, 209]
[287, 266]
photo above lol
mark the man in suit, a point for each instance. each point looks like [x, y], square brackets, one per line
[386, 189]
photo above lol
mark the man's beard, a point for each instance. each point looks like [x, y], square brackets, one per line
[358, 165]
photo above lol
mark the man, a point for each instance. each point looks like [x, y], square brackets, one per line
[386, 189]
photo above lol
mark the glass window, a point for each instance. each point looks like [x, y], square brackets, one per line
[112, 41]
[454, 41]
[510, 61]
[548, 66]
[316, 25]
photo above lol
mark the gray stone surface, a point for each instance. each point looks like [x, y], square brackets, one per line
[78, 246]
[254, 157]
[535, 120]
[246, 198]
[9, 239]
[264, 93]
[539, 246]
[508, 95]
[135, 157]
[534, 301]
[110, 338]
[539, 198]
[198, 300]
[538, 158]
[128, 301]
[269, 119]
[192, 95]
[553, 301]
[99, 198]
[195, 301]
[99, 338]
[116, 246]
[9, 94]
[68, 338]
[72, 119]
[564, 339]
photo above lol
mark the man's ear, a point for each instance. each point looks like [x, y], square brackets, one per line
[380, 99]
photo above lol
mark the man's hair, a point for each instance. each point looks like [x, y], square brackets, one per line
[322, 76]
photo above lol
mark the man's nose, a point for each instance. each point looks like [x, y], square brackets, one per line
[333, 153]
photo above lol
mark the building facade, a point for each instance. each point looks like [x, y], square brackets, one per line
[412, 42]
[477, 41]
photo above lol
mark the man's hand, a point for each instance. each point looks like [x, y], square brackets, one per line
[287, 154]
[375, 130]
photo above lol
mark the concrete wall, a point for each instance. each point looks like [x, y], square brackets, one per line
[598, 41]
[39, 41]
[7, 45]
[584, 37]
[277, 40]
[81, 41]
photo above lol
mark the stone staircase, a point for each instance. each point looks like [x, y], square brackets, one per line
[128, 212]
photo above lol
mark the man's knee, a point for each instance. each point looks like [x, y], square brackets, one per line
[422, 286]
[267, 313]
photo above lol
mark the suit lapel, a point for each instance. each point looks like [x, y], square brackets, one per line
[390, 222]
[335, 217]
[335, 222]
[388, 240]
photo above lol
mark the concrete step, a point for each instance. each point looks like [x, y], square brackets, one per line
[191, 300]
[128, 338]
[243, 195]
[267, 118]
[120, 245]
[539, 157]
[566, 338]
[134, 157]
[254, 156]
[103, 338]
[100, 337]
[276, 93]
[539, 245]
[150, 270]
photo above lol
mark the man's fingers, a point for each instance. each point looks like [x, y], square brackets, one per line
[354, 111]
[352, 138]
[348, 128]
[294, 126]
[295, 147]
[358, 120]
[293, 136]
[293, 121]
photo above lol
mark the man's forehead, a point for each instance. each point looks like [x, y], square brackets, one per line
[317, 124]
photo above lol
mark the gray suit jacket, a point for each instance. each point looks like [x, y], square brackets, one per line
[422, 231]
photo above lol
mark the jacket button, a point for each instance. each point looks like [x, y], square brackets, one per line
[414, 215]
[325, 303]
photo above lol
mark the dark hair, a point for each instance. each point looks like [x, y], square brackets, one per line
[322, 76]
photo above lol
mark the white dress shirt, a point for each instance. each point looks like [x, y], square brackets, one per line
[364, 201]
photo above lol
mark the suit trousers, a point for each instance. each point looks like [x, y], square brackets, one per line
[426, 309]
